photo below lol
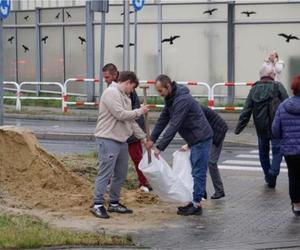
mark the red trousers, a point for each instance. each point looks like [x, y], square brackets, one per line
[136, 154]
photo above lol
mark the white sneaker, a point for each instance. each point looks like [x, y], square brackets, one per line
[144, 189]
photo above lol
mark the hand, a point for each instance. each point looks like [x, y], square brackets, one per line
[184, 148]
[145, 109]
[148, 144]
[156, 153]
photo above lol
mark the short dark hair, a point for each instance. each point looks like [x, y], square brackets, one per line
[164, 80]
[128, 75]
[296, 85]
[111, 68]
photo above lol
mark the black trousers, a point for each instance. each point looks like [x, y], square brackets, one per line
[293, 164]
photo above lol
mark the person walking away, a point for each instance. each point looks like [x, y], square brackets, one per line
[110, 74]
[183, 114]
[115, 124]
[263, 100]
[286, 127]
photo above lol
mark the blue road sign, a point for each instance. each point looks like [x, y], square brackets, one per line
[138, 4]
[4, 8]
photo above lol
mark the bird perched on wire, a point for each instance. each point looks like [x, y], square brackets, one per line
[57, 16]
[25, 48]
[82, 39]
[121, 45]
[288, 37]
[26, 18]
[210, 11]
[44, 39]
[10, 39]
[68, 14]
[170, 40]
[248, 13]
[130, 12]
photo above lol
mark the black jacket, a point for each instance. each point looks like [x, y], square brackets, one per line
[258, 101]
[217, 124]
[135, 104]
[182, 114]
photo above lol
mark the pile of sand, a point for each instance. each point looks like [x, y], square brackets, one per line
[36, 177]
[31, 176]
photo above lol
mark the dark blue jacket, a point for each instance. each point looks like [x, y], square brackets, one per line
[286, 126]
[135, 104]
[217, 124]
[184, 115]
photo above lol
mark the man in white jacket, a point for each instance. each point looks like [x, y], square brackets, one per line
[116, 123]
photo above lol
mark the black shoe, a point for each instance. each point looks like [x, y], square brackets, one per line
[205, 195]
[190, 211]
[185, 207]
[217, 196]
[119, 208]
[271, 180]
[99, 212]
[297, 213]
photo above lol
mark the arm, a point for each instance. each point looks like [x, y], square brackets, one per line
[276, 125]
[181, 108]
[162, 122]
[115, 107]
[279, 65]
[283, 93]
[245, 115]
[137, 131]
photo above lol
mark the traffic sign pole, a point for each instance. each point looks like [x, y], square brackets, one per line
[1, 73]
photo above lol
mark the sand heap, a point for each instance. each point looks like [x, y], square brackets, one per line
[37, 178]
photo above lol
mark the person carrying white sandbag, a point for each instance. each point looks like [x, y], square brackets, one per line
[183, 114]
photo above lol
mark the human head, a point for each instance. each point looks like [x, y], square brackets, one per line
[163, 85]
[128, 81]
[273, 56]
[267, 71]
[296, 85]
[110, 73]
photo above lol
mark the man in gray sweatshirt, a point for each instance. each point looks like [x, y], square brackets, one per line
[116, 123]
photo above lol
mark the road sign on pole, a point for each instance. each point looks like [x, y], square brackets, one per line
[4, 8]
[138, 4]
[4, 12]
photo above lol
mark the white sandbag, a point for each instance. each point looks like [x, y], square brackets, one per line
[163, 180]
[182, 168]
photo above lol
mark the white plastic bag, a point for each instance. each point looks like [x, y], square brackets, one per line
[164, 180]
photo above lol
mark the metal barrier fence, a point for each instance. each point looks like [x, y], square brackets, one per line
[64, 92]
[42, 97]
[65, 95]
[211, 102]
[17, 97]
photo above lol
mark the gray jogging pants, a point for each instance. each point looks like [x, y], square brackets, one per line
[113, 165]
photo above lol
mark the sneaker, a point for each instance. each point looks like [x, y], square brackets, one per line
[99, 212]
[144, 189]
[185, 207]
[190, 211]
[119, 208]
[217, 195]
[297, 213]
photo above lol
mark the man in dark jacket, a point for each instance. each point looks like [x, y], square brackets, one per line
[184, 115]
[260, 101]
[219, 128]
[110, 74]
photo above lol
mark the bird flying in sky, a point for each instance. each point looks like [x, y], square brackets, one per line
[248, 13]
[44, 39]
[210, 11]
[170, 40]
[288, 37]
[25, 48]
[121, 45]
[10, 39]
[82, 39]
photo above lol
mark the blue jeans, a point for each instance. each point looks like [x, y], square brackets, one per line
[270, 169]
[199, 159]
